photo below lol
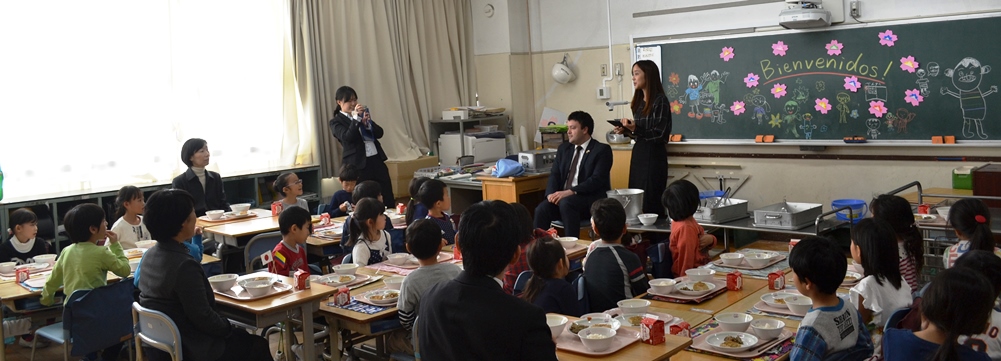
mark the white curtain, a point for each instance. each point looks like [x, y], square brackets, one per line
[96, 95]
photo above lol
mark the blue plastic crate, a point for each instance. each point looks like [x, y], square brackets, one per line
[710, 194]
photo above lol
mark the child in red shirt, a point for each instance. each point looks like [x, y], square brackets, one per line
[289, 255]
[689, 242]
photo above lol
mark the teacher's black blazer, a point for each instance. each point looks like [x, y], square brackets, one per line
[596, 164]
[211, 197]
[346, 131]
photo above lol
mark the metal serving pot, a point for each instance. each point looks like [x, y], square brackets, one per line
[615, 138]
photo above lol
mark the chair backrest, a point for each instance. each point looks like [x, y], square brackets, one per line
[521, 281]
[157, 330]
[661, 260]
[99, 318]
[261, 243]
[894, 320]
[581, 288]
[414, 341]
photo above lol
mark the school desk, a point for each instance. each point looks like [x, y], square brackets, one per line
[528, 189]
[718, 303]
[258, 213]
[343, 323]
[229, 232]
[637, 350]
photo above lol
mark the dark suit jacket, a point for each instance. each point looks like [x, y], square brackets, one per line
[596, 164]
[174, 283]
[210, 198]
[346, 131]
[472, 318]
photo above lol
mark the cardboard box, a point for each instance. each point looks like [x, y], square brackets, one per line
[553, 140]
[987, 182]
[402, 171]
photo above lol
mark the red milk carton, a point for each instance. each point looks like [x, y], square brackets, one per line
[276, 208]
[301, 279]
[652, 330]
[342, 297]
[324, 219]
[734, 281]
[401, 208]
[681, 329]
[22, 274]
[777, 280]
[456, 253]
[792, 243]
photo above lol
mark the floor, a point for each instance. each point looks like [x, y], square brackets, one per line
[55, 352]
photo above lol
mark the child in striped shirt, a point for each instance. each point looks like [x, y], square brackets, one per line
[896, 211]
[972, 221]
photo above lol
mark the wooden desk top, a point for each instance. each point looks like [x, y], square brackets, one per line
[718, 303]
[252, 226]
[358, 317]
[316, 292]
[260, 213]
[488, 178]
[912, 197]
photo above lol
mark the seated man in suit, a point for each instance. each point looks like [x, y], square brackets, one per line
[578, 178]
[471, 317]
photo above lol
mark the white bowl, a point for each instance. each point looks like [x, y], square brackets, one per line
[758, 259]
[556, 324]
[7, 267]
[851, 277]
[767, 329]
[799, 304]
[731, 259]
[398, 259]
[256, 288]
[586, 323]
[145, 244]
[633, 306]
[595, 315]
[772, 299]
[716, 341]
[45, 258]
[214, 214]
[734, 321]
[393, 282]
[662, 286]
[648, 219]
[133, 264]
[346, 269]
[568, 242]
[700, 274]
[597, 339]
[223, 282]
[681, 287]
[944, 212]
[240, 208]
[335, 280]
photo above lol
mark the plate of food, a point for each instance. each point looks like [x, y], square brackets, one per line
[258, 276]
[135, 252]
[577, 326]
[383, 297]
[695, 288]
[732, 341]
[776, 299]
[335, 280]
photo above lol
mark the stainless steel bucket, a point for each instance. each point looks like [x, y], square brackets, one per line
[632, 201]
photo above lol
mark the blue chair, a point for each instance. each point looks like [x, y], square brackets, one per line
[581, 288]
[157, 330]
[661, 260]
[521, 281]
[264, 242]
[92, 320]
[894, 320]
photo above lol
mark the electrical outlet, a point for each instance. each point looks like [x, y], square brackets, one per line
[618, 69]
[604, 69]
[856, 8]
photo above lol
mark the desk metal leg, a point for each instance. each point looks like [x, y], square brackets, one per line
[308, 342]
[3, 345]
[335, 341]
[289, 336]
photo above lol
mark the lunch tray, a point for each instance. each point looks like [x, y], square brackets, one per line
[363, 299]
[744, 265]
[227, 217]
[32, 269]
[678, 297]
[699, 343]
[764, 307]
[568, 341]
[238, 293]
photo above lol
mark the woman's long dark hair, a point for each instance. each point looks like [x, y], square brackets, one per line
[896, 211]
[415, 186]
[651, 74]
[367, 209]
[127, 193]
[959, 302]
[878, 245]
[966, 216]
[544, 255]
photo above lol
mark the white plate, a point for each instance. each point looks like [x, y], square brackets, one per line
[259, 276]
[716, 339]
[384, 301]
[335, 280]
[678, 287]
[857, 277]
[32, 267]
[135, 252]
[36, 282]
[770, 298]
[624, 319]
[594, 321]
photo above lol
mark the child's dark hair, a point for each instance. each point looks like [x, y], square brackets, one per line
[987, 263]
[486, 238]
[281, 182]
[348, 173]
[294, 216]
[971, 217]
[820, 261]
[431, 192]
[414, 188]
[896, 211]
[681, 199]
[423, 239]
[80, 218]
[165, 213]
[544, 255]
[126, 194]
[524, 219]
[958, 302]
[190, 147]
[878, 245]
[609, 219]
[366, 209]
[366, 189]
[345, 93]
[22, 216]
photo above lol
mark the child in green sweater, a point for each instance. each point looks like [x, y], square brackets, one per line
[84, 265]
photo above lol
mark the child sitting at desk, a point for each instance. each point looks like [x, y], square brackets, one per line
[340, 203]
[289, 186]
[971, 220]
[129, 227]
[613, 272]
[832, 326]
[22, 245]
[434, 196]
[369, 189]
[547, 288]
[369, 240]
[289, 255]
[689, 242]
[415, 210]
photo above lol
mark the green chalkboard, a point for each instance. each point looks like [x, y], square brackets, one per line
[957, 76]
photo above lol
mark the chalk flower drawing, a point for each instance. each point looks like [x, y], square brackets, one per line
[908, 64]
[674, 78]
[675, 107]
[751, 80]
[737, 107]
[851, 83]
[877, 108]
[780, 48]
[887, 38]
[913, 96]
[822, 105]
[727, 53]
[776, 121]
[779, 90]
[834, 48]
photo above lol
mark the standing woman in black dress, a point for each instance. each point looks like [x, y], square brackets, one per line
[359, 136]
[651, 128]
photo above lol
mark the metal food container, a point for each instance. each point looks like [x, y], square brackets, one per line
[540, 160]
[721, 210]
[787, 215]
[632, 201]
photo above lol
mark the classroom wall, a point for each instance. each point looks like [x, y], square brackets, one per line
[531, 35]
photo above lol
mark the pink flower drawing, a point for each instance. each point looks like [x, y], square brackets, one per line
[877, 108]
[851, 83]
[737, 107]
[887, 38]
[780, 48]
[913, 96]
[822, 105]
[834, 48]
[751, 80]
[908, 64]
[727, 53]
[779, 90]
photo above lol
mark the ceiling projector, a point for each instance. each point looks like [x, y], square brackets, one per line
[804, 15]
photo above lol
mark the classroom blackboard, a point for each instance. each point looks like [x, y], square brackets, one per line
[911, 81]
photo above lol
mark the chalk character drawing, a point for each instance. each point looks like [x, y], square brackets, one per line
[875, 91]
[761, 107]
[713, 82]
[808, 126]
[873, 125]
[922, 82]
[842, 107]
[890, 121]
[706, 101]
[966, 77]
[933, 69]
[792, 116]
[694, 87]
[903, 117]
[718, 113]
[854, 114]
